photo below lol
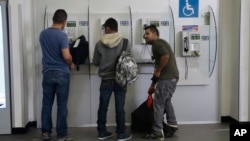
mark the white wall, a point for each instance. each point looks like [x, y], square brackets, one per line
[197, 104]
[22, 62]
[229, 57]
[234, 59]
[244, 62]
[193, 104]
[224, 41]
[29, 60]
[17, 65]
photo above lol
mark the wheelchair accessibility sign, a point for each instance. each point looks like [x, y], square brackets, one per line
[188, 8]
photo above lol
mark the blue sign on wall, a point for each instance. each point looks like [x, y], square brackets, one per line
[188, 8]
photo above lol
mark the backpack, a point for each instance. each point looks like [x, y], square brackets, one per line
[142, 119]
[126, 67]
[79, 50]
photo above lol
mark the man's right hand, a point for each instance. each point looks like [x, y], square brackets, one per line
[72, 66]
[151, 89]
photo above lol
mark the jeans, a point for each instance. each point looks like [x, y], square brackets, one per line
[162, 103]
[55, 83]
[106, 89]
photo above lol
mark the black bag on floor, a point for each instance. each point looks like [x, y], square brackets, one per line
[143, 118]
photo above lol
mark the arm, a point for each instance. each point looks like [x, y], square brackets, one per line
[67, 57]
[163, 61]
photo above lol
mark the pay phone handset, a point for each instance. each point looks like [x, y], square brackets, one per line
[186, 44]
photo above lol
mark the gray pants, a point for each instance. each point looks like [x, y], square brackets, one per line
[162, 103]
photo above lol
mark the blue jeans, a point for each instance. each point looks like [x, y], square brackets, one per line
[106, 89]
[55, 83]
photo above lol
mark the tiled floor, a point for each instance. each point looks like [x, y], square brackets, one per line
[198, 132]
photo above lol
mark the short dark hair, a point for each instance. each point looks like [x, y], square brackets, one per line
[111, 23]
[60, 16]
[152, 28]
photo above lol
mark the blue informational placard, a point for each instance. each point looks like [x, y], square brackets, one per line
[188, 8]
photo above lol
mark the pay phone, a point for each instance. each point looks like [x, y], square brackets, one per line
[102, 21]
[77, 25]
[71, 30]
[191, 43]
[146, 22]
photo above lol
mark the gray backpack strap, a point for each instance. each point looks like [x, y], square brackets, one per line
[125, 44]
[124, 47]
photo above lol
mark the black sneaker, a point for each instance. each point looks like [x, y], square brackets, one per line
[168, 130]
[46, 136]
[105, 135]
[174, 128]
[124, 137]
[154, 136]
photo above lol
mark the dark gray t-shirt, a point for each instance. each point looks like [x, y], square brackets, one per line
[159, 48]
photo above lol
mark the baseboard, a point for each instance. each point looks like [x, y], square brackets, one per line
[228, 119]
[24, 129]
[198, 122]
